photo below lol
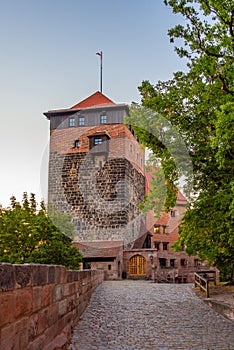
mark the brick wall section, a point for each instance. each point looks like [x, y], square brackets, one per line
[40, 304]
[122, 142]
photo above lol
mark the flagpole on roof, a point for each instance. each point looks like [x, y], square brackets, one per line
[100, 54]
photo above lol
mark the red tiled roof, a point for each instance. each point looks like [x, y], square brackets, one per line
[181, 198]
[164, 219]
[99, 249]
[96, 99]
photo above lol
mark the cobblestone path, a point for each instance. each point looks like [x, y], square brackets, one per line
[132, 315]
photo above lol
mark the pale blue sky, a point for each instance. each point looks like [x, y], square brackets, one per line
[48, 61]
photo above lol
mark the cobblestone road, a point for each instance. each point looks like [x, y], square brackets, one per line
[132, 315]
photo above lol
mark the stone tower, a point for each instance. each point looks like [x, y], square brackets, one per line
[96, 170]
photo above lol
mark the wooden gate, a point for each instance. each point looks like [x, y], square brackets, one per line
[137, 266]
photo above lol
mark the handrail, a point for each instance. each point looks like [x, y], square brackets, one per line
[206, 274]
[203, 283]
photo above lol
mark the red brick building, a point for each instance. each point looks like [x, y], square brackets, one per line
[97, 174]
[152, 255]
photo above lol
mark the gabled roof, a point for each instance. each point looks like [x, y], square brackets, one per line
[100, 249]
[163, 219]
[139, 242]
[96, 99]
[181, 199]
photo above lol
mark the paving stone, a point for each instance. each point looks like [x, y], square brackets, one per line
[132, 315]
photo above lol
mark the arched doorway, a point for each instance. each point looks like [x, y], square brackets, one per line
[137, 266]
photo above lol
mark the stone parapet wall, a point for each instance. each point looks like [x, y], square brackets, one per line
[40, 304]
[226, 310]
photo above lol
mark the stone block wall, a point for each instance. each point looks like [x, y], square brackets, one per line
[103, 201]
[100, 188]
[40, 304]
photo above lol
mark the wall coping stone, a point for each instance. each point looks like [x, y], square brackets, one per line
[222, 308]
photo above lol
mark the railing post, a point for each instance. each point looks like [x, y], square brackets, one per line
[207, 289]
[203, 283]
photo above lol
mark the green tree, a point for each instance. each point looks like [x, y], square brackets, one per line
[62, 221]
[28, 235]
[199, 103]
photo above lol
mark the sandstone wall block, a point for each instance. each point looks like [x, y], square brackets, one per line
[40, 304]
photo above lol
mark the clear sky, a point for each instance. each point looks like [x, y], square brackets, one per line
[48, 61]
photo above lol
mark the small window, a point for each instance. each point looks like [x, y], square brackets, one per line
[165, 245]
[156, 228]
[100, 141]
[173, 213]
[130, 148]
[76, 144]
[196, 262]
[86, 265]
[183, 262]
[147, 243]
[162, 262]
[81, 121]
[71, 122]
[97, 141]
[172, 262]
[157, 245]
[165, 229]
[103, 119]
[109, 267]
